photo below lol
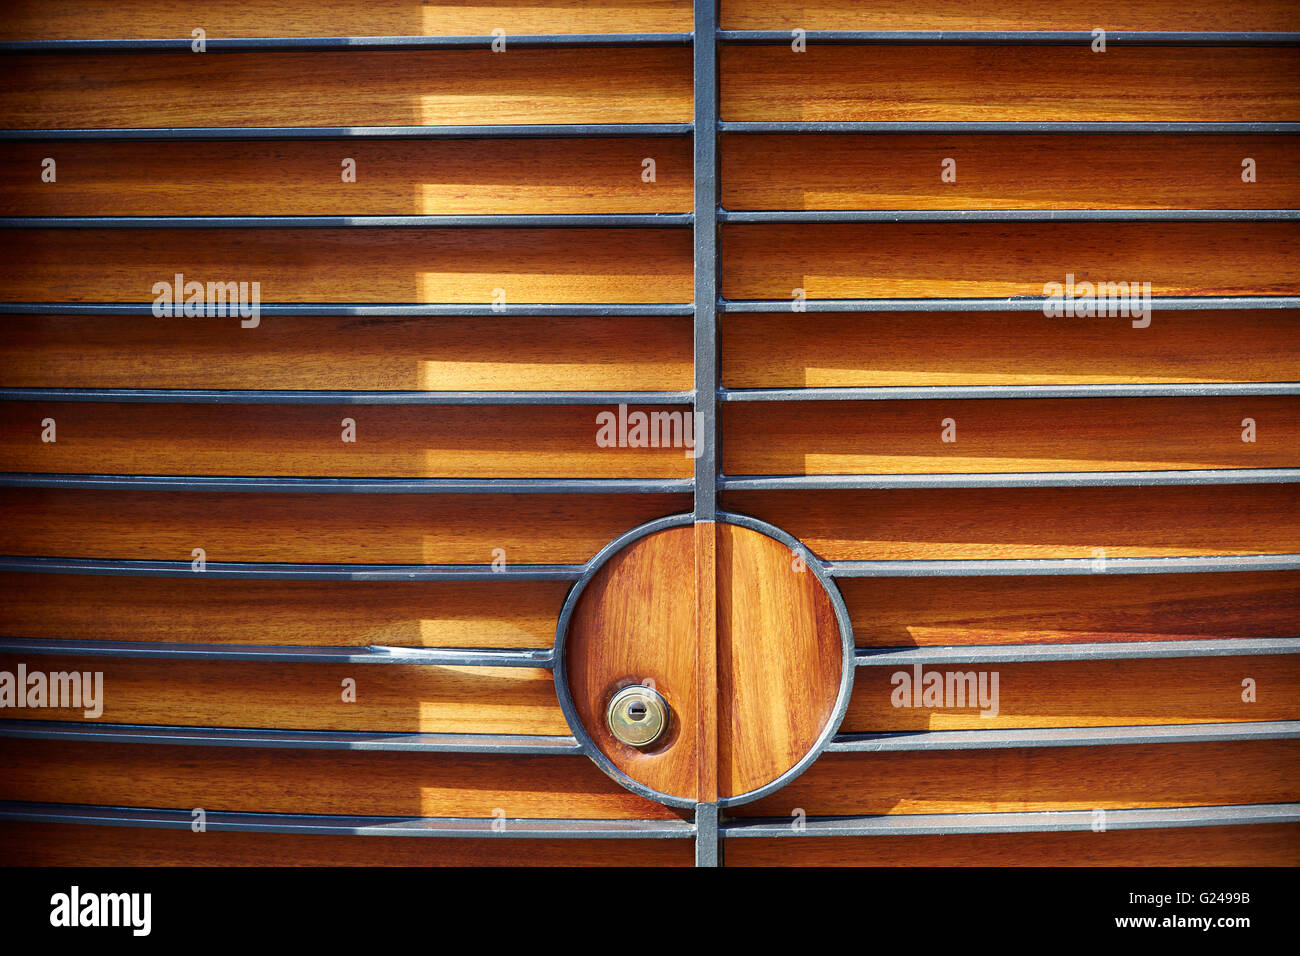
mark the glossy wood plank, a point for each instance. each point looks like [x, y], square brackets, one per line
[364, 353]
[706, 661]
[998, 435]
[388, 697]
[960, 260]
[1011, 83]
[1007, 348]
[1038, 779]
[983, 523]
[353, 265]
[305, 177]
[1004, 172]
[322, 528]
[454, 441]
[351, 88]
[201, 609]
[1087, 694]
[1072, 609]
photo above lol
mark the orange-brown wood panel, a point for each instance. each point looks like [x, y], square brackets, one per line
[1006, 348]
[1253, 845]
[989, 259]
[387, 697]
[60, 844]
[1066, 609]
[706, 660]
[396, 441]
[353, 88]
[350, 265]
[315, 781]
[128, 19]
[975, 523]
[1033, 435]
[350, 352]
[834, 83]
[996, 172]
[1079, 694]
[199, 609]
[1041, 778]
[324, 528]
[305, 177]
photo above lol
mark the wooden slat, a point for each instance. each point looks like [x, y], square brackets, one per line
[304, 177]
[1034, 779]
[352, 265]
[455, 441]
[519, 614]
[1089, 694]
[315, 781]
[1007, 348]
[898, 525]
[354, 88]
[1001, 172]
[323, 528]
[706, 661]
[960, 260]
[997, 435]
[1014, 83]
[1072, 609]
[389, 697]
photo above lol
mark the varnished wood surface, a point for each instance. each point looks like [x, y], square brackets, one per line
[362, 353]
[1033, 435]
[1006, 172]
[1006, 348]
[352, 265]
[706, 667]
[1071, 609]
[206, 610]
[348, 88]
[1090, 694]
[389, 697]
[961, 260]
[452, 441]
[304, 177]
[323, 528]
[837, 83]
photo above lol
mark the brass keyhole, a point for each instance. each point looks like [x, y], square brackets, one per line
[637, 715]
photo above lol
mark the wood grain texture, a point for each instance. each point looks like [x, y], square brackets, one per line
[975, 523]
[706, 667]
[352, 265]
[1006, 348]
[349, 88]
[452, 441]
[833, 83]
[1032, 435]
[364, 353]
[1040, 779]
[1089, 694]
[1072, 609]
[315, 781]
[60, 844]
[999, 172]
[389, 697]
[128, 19]
[1253, 845]
[203, 610]
[959, 260]
[304, 177]
[324, 528]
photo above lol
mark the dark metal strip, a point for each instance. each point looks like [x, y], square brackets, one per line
[1005, 215]
[1022, 303]
[1063, 737]
[1163, 128]
[708, 846]
[1040, 566]
[364, 486]
[517, 131]
[1054, 479]
[394, 43]
[263, 571]
[656, 220]
[400, 310]
[706, 260]
[1101, 651]
[237, 396]
[954, 392]
[1014, 37]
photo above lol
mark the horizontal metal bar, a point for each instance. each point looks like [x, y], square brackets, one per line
[1014, 37]
[396, 486]
[302, 654]
[1101, 651]
[492, 744]
[960, 392]
[817, 126]
[1046, 479]
[236, 396]
[394, 43]
[1005, 215]
[1014, 567]
[523, 828]
[1017, 822]
[264, 571]
[516, 131]
[1062, 737]
[655, 220]
[394, 310]
[1024, 303]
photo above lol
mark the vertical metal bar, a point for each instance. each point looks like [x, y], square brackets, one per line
[708, 846]
[706, 258]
